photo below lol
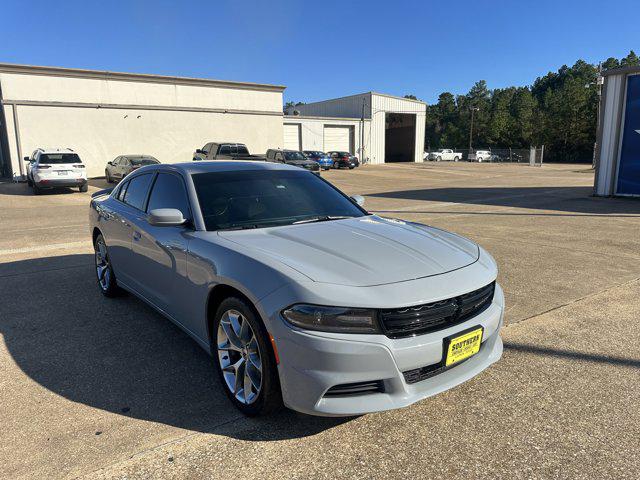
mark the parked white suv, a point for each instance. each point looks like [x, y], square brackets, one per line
[55, 167]
[481, 156]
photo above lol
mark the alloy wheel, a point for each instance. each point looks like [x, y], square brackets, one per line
[239, 357]
[102, 264]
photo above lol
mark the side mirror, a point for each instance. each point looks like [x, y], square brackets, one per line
[165, 217]
[358, 199]
[199, 150]
[27, 159]
[110, 163]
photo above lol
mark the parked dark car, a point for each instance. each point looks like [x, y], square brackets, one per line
[344, 159]
[225, 151]
[322, 158]
[293, 157]
[123, 165]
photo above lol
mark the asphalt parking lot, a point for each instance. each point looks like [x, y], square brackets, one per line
[99, 388]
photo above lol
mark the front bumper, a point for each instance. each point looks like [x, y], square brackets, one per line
[312, 362]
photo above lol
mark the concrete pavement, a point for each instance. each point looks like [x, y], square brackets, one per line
[109, 389]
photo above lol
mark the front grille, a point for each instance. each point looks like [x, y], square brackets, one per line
[421, 319]
[358, 388]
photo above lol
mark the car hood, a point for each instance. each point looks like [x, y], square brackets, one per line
[361, 251]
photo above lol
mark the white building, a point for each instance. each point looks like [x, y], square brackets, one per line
[618, 142]
[101, 115]
[376, 126]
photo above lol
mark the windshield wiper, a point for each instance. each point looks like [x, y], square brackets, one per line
[322, 218]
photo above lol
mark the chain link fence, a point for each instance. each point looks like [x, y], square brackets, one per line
[526, 156]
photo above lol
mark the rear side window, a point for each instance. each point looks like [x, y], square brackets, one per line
[169, 192]
[137, 189]
[242, 150]
[225, 150]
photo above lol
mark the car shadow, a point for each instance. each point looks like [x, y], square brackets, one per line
[119, 355]
[560, 199]
[22, 189]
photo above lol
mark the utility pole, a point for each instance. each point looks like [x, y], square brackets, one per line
[473, 111]
[362, 131]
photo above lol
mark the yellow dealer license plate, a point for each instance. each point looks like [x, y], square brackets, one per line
[463, 346]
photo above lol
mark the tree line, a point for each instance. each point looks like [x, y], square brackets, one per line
[558, 111]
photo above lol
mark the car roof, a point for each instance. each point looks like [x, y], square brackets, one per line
[138, 156]
[219, 166]
[56, 150]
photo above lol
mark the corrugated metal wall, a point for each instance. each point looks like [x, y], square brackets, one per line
[344, 107]
[381, 104]
[312, 131]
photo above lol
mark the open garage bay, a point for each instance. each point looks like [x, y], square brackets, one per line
[110, 389]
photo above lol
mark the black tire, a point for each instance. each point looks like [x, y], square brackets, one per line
[336, 165]
[438, 159]
[84, 188]
[269, 398]
[36, 189]
[29, 182]
[108, 286]
[455, 159]
[351, 168]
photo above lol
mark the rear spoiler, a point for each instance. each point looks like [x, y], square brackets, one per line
[99, 193]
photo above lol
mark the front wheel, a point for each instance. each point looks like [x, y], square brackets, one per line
[455, 159]
[336, 165]
[244, 359]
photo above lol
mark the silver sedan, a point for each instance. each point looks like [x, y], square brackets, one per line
[301, 296]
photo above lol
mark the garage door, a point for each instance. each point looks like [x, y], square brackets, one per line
[292, 136]
[337, 138]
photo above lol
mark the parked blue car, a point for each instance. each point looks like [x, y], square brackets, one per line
[322, 158]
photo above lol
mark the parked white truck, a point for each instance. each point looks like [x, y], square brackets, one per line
[444, 154]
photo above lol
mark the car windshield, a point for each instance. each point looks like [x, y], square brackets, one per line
[143, 161]
[294, 156]
[267, 198]
[57, 158]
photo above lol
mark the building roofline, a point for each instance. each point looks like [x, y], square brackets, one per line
[133, 77]
[292, 118]
[366, 94]
[621, 70]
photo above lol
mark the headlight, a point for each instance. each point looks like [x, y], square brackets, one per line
[332, 319]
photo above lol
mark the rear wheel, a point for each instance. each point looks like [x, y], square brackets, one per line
[244, 359]
[104, 270]
[84, 188]
[455, 159]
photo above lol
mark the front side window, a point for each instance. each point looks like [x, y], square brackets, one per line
[137, 189]
[169, 192]
[267, 198]
[59, 158]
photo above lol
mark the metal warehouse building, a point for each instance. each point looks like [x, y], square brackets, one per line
[380, 127]
[618, 152]
[101, 115]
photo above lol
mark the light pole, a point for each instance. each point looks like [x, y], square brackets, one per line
[473, 111]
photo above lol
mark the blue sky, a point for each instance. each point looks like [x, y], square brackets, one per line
[323, 49]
